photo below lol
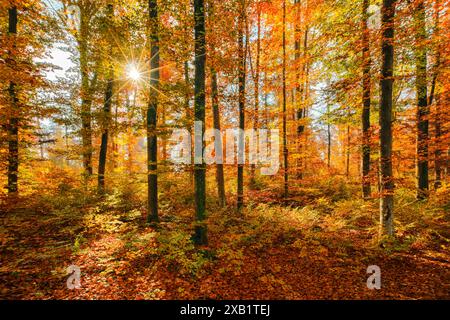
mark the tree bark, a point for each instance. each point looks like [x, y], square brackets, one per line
[435, 98]
[422, 103]
[13, 125]
[328, 138]
[347, 160]
[299, 90]
[366, 187]
[200, 237]
[106, 113]
[386, 85]
[86, 93]
[218, 143]
[220, 180]
[241, 79]
[285, 146]
[152, 115]
[257, 85]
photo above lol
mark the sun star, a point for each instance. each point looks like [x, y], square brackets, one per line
[133, 73]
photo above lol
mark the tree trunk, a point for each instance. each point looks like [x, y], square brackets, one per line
[105, 133]
[437, 120]
[266, 119]
[328, 138]
[200, 237]
[257, 84]
[386, 84]
[366, 187]
[299, 90]
[218, 142]
[106, 114]
[13, 125]
[220, 180]
[422, 103]
[306, 102]
[86, 94]
[242, 74]
[152, 115]
[285, 146]
[187, 100]
[347, 161]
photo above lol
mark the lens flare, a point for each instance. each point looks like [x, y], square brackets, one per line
[133, 73]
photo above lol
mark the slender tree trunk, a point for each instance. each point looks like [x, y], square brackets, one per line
[257, 84]
[266, 104]
[86, 94]
[366, 187]
[220, 180]
[115, 145]
[242, 74]
[187, 100]
[106, 114]
[105, 134]
[285, 146]
[13, 125]
[422, 103]
[200, 236]
[152, 115]
[347, 163]
[298, 90]
[218, 142]
[164, 136]
[306, 102]
[129, 134]
[437, 120]
[328, 138]
[438, 151]
[386, 84]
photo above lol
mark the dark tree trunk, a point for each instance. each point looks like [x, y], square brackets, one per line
[13, 125]
[105, 134]
[106, 114]
[152, 115]
[242, 74]
[285, 146]
[200, 237]
[386, 84]
[218, 142]
[366, 187]
[422, 103]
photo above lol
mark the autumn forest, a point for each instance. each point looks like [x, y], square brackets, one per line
[233, 149]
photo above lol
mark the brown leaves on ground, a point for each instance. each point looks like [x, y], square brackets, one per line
[270, 251]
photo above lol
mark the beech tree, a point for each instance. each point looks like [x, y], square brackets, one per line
[13, 125]
[200, 236]
[107, 105]
[386, 84]
[242, 66]
[422, 102]
[366, 103]
[152, 114]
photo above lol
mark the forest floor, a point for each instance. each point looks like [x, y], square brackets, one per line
[315, 245]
